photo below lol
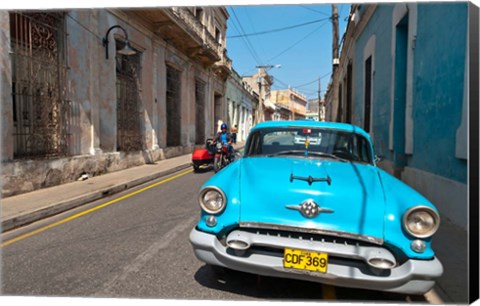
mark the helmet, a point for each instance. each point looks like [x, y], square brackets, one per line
[224, 126]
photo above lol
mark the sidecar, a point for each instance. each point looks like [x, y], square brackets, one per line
[202, 157]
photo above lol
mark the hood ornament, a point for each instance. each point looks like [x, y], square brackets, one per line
[309, 208]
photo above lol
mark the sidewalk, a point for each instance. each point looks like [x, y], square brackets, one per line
[29, 207]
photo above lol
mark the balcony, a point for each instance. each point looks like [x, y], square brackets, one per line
[223, 68]
[299, 111]
[180, 28]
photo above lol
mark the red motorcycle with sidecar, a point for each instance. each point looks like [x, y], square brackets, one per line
[215, 153]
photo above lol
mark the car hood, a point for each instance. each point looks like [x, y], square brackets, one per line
[353, 197]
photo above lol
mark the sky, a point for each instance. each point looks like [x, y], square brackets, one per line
[304, 49]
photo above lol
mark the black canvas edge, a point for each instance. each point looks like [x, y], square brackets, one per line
[473, 185]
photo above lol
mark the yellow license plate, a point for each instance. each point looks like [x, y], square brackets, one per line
[305, 260]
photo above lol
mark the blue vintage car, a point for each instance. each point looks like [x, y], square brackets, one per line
[320, 211]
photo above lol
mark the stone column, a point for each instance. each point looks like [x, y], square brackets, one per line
[82, 81]
[106, 97]
[6, 143]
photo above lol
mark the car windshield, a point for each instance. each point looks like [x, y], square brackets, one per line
[310, 143]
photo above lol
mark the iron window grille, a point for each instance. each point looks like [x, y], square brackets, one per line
[41, 111]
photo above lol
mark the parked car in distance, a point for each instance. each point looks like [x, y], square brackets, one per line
[321, 212]
[313, 140]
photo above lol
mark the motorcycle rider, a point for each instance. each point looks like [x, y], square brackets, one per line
[226, 138]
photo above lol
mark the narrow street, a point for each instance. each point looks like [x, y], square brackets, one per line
[137, 247]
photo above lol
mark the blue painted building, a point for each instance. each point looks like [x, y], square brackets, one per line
[403, 77]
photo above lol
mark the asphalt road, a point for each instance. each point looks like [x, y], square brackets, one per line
[135, 245]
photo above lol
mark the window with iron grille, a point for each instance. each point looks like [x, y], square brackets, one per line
[173, 107]
[129, 136]
[200, 112]
[41, 112]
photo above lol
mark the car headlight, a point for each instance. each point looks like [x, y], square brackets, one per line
[421, 221]
[212, 200]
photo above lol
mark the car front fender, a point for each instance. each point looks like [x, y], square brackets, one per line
[399, 198]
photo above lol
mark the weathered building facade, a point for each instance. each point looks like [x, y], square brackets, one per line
[316, 110]
[74, 103]
[262, 82]
[242, 102]
[404, 79]
[291, 100]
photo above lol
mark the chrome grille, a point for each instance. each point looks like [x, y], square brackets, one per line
[309, 237]
[313, 231]
[328, 242]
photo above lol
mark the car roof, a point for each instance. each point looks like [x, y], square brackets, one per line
[312, 124]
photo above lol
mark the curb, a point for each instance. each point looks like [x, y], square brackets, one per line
[54, 209]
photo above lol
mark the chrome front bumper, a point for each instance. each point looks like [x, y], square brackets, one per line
[411, 277]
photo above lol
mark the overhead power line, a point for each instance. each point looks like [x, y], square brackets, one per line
[313, 10]
[247, 42]
[303, 85]
[257, 41]
[281, 82]
[307, 91]
[280, 29]
[314, 81]
[296, 43]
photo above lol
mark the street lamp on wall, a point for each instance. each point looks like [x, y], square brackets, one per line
[127, 50]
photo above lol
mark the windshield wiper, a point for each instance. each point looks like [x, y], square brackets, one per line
[323, 154]
[307, 153]
[287, 152]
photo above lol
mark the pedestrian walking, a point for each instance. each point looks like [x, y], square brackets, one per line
[234, 132]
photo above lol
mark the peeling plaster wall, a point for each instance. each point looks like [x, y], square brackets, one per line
[434, 96]
[6, 144]
[239, 106]
[24, 176]
[161, 95]
[203, 76]
[191, 105]
[439, 97]
[106, 97]
[91, 83]
[81, 84]
[147, 105]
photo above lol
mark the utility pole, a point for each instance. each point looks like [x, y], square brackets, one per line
[319, 104]
[336, 61]
[260, 79]
[260, 102]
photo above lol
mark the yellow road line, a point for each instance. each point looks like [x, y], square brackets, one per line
[42, 229]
